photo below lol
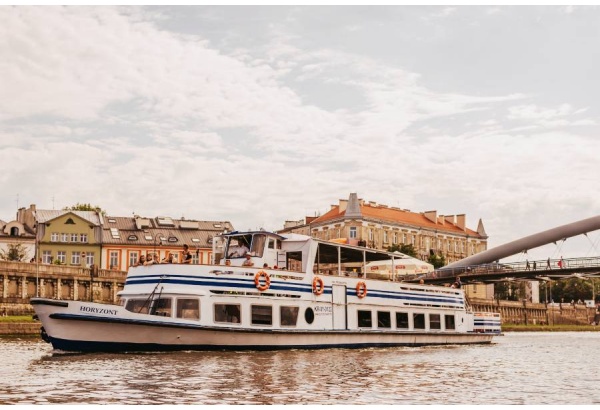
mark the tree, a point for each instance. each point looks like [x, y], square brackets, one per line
[437, 261]
[405, 249]
[16, 252]
[84, 207]
[572, 290]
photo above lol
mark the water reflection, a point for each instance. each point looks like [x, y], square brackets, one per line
[516, 369]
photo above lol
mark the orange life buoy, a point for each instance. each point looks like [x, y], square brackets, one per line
[265, 275]
[361, 289]
[318, 286]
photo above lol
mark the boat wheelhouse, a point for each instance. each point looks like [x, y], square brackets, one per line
[266, 291]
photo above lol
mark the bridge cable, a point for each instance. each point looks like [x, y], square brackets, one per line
[558, 249]
[593, 247]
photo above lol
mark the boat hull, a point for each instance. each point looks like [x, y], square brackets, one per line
[99, 330]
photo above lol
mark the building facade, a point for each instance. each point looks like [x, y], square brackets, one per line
[86, 238]
[380, 226]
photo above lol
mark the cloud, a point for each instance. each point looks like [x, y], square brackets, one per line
[110, 107]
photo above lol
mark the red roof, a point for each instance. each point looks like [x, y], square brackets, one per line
[396, 216]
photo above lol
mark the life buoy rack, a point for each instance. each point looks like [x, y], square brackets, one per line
[267, 280]
[318, 286]
[361, 289]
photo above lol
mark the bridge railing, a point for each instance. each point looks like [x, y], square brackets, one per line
[498, 267]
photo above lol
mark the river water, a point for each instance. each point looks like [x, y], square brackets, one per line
[518, 368]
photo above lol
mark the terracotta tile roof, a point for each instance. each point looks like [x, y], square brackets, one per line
[396, 216]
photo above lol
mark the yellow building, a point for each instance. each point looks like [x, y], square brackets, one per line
[378, 226]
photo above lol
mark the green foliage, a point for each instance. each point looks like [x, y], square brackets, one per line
[84, 207]
[437, 261]
[574, 289]
[405, 249]
[16, 253]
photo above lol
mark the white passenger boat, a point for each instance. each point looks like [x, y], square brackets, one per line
[300, 292]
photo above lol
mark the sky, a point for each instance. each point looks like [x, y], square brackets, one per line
[261, 114]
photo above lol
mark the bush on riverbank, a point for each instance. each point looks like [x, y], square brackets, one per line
[547, 328]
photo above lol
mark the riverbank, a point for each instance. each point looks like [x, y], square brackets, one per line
[548, 328]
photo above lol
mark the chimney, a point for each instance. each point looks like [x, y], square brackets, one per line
[431, 215]
[461, 221]
[343, 205]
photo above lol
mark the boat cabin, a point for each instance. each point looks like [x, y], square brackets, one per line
[301, 253]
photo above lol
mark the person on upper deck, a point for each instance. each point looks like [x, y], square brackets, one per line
[187, 256]
[248, 261]
[140, 261]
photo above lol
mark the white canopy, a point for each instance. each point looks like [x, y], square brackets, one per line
[404, 266]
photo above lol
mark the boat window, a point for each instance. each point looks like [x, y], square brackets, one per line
[434, 321]
[238, 246]
[227, 313]
[188, 308]
[293, 261]
[288, 315]
[449, 322]
[262, 315]
[364, 318]
[384, 320]
[271, 243]
[161, 307]
[309, 315]
[401, 320]
[258, 245]
[419, 320]
[138, 305]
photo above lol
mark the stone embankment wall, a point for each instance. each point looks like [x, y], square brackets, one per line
[537, 313]
[20, 281]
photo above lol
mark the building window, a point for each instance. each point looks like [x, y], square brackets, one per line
[353, 232]
[395, 238]
[401, 320]
[133, 258]
[403, 238]
[370, 234]
[364, 318]
[262, 315]
[54, 237]
[227, 313]
[419, 320]
[46, 256]
[64, 237]
[76, 258]
[384, 320]
[89, 258]
[196, 258]
[435, 322]
[74, 237]
[62, 256]
[113, 259]
[188, 309]
[83, 238]
[288, 315]
[385, 237]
